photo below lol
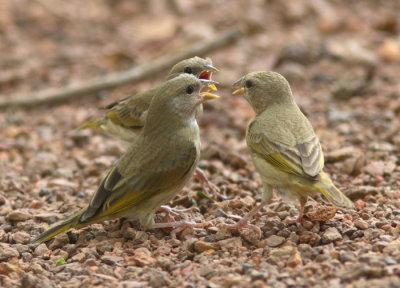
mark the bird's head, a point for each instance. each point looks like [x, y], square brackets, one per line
[263, 89]
[179, 97]
[197, 66]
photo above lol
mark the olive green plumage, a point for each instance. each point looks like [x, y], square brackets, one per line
[155, 167]
[282, 142]
[125, 118]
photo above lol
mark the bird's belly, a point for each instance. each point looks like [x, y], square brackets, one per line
[288, 183]
[269, 173]
[145, 210]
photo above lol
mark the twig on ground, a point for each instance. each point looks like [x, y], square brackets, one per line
[112, 80]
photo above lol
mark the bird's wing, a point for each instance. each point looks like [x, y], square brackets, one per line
[128, 111]
[115, 103]
[303, 159]
[118, 193]
[123, 116]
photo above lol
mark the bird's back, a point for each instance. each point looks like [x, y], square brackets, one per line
[286, 127]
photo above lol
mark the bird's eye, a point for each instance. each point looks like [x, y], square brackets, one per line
[249, 84]
[189, 89]
[187, 70]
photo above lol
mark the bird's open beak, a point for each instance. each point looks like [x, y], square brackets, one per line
[206, 75]
[239, 85]
[208, 96]
[212, 87]
[208, 84]
[211, 68]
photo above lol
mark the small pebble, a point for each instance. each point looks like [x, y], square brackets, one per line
[201, 246]
[274, 241]
[246, 268]
[361, 224]
[41, 250]
[18, 216]
[73, 237]
[330, 235]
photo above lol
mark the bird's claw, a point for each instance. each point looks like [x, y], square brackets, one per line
[174, 211]
[205, 183]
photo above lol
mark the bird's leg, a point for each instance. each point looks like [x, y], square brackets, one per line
[201, 176]
[301, 211]
[299, 219]
[173, 211]
[244, 222]
[170, 221]
[180, 226]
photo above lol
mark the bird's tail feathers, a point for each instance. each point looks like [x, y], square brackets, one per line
[92, 124]
[71, 222]
[331, 193]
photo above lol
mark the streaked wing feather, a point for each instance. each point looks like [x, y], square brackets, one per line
[129, 191]
[112, 179]
[112, 115]
[304, 160]
[129, 114]
[113, 104]
[311, 156]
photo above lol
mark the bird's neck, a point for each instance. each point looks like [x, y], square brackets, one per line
[276, 106]
[171, 127]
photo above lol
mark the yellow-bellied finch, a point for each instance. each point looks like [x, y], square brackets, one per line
[126, 118]
[155, 167]
[283, 145]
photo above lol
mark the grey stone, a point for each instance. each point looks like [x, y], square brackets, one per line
[274, 240]
[330, 235]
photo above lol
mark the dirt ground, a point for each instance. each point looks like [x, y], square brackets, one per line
[342, 59]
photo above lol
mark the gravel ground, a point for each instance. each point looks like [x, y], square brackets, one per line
[342, 60]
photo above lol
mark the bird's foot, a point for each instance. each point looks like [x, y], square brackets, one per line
[298, 219]
[201, 176]
[174, 211]
[244, 223]
[180, 226]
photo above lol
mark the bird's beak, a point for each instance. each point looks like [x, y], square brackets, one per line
[238, 84]
[208, 84]
[211, 68]
[212, 87]
[208, 96]
[206, 75]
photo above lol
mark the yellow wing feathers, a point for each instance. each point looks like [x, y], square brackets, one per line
[304, 160]
[118, 193]
[326, 187]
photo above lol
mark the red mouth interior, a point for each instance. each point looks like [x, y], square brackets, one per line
[205, 75]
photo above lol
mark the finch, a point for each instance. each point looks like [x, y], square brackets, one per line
[156, 166]
[283, 146]
[125, 118]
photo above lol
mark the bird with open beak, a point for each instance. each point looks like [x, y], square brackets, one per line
[126, 118]
[156, 166]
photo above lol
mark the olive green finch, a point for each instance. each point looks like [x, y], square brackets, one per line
[155, 167]
[125, 118]
[283, 145]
